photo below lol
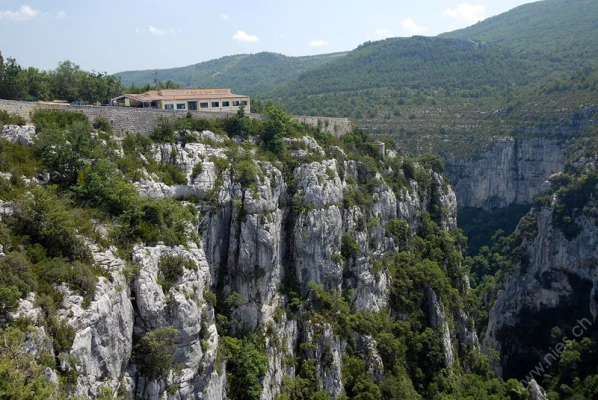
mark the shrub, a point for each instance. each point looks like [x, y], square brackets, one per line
[7, 118]
[164, 131]
[157, 348]
[349, 246]
[397, 229]
[172, 267]
[102, 124]
[49, 221]
[65, 152]
[59, 119]
[246, 366]
[171, 174]
[197, 170]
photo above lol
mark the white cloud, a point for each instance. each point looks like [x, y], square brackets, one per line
[138, 31]
[467, 12]
[318, 43]
[224, 16]
[383, 33]
[244, 37]
[61, 14]
[411, 27]
[24, 13]
[160, 32]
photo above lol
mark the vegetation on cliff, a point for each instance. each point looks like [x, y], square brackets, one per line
[86, 196]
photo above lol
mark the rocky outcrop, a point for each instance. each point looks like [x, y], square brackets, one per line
[262, 243]
[24, 135]
[511, 172]
[182, 307]
[556, 278]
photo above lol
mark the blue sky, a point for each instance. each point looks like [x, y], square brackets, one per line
[112, 36]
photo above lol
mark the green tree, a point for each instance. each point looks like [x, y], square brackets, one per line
[157, 349]
[247, 364]
[66, 79]
[12, 86]
[275, 129]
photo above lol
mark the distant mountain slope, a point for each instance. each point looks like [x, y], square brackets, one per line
[382, 76]
[245, 73]
[566, 29]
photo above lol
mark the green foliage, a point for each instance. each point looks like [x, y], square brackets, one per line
[102, 124]
[51, 221]
[399, 230]
[59, 119]
[247, 73]
[18, 160]
[171, 269]
[349, 246]
[150, 221]
[358, 383]
[7, 118]
[542, 28]
[164, 131]
[157, 351]
[21, 371]
[246, 365]
[235, 300]
[275, 129]
[65, 152]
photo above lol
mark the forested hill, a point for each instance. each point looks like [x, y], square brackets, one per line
[420, 63]
[246, 73]
[381, 76]
[566, 29]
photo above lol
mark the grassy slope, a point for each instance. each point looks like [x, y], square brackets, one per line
[245, 73]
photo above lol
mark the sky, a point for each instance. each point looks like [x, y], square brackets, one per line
[116, 35]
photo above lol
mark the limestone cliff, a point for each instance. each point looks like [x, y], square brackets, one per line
[555, 278]
[512, 171]
[274, 247]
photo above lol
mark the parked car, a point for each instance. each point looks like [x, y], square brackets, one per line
[77, 103]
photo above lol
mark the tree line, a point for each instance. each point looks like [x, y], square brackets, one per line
[66, 82]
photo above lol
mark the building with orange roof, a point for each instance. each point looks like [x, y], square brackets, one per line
[211, 100]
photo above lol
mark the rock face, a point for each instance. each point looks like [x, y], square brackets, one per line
[556, 279]
[511, 172]
[24, 135]
[258, 242]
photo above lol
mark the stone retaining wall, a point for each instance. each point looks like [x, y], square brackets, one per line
[129, 120]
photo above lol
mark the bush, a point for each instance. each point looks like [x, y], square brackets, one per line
[349, 246]
[246, 366]
[65, 152]
[50, 221]
[157, 348]
[171, 269]
[164, 131]
[59, 119]
[102, 124]
[398, 229]
[152, 220]
[7, 118]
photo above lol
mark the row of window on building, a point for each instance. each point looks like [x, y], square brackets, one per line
[192, 105]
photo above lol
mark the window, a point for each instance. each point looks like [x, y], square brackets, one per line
[181, 106]
[169, 106]
[203, 105]
[236, 103]
[215, 104]
[226, 104]
[192, 105]
[244, 102]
